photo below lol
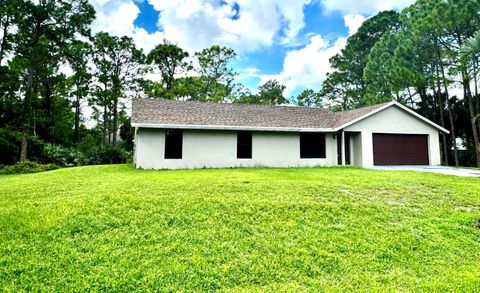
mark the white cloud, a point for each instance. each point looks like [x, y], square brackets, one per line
[145, 40]
[366, 7]
[198, 24]
[353, 22]
[117, 16]
[307, 67]
[248, 72]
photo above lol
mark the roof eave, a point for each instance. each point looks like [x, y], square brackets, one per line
[442, 129]
[228, 127]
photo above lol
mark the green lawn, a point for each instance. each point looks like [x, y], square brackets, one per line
[114, 228]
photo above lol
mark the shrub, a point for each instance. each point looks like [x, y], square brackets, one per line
[89, 145]
[67, 157]
[112, 155]
[25, 167]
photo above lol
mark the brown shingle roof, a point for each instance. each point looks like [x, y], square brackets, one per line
[172, 112]
[350, 115]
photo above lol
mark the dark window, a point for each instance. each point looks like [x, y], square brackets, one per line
[173, 144]
[244, 145]
[312, 145]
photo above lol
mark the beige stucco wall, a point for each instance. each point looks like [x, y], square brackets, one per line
[356, 149]
[394, 120]
[218, 149]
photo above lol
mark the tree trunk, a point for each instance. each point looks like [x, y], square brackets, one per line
[23, 150]
[28, 108]
[410, 96]
[442, 123]
[105, 133]
[77, 121]
[440, 106]
[475, 76]
[469, 98]
[452, 131]
[115, 121]
[450, 112]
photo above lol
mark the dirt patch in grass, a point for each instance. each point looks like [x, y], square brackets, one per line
[467, 209]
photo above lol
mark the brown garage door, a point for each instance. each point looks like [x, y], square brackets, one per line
[400, 149]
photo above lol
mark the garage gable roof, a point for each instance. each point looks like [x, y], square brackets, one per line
[385, 106]
[161, 113]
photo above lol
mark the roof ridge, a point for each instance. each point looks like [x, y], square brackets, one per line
[366, 107]
[291, 106]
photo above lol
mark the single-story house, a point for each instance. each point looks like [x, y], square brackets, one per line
[186, 134]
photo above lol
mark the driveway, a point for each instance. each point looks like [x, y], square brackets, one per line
[434, 169]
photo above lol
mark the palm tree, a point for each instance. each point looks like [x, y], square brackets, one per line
[472, 45]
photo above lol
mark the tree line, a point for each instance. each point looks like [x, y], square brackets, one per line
[53, 69]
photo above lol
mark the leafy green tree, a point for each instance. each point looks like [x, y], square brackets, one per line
[216, 75]
[455, 22]
[9, 15]
[78, 55]
[119, 66]
[308, 98]
[43, 29]
[189, 87]
[10, 104]
[345, 86]
[245, 96]
[427, 30]
[271, 92]
[170, 60]
[149, 89]
[379, 72]
[335, 92]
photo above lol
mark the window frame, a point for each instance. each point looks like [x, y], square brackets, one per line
[313, 145]
[173, 150]
[244, 147]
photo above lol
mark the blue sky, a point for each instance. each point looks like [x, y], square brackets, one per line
[147, 18]
[287, 40]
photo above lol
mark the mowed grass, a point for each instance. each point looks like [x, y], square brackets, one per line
[114, 228]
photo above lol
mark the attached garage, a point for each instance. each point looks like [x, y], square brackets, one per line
[400, 149]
